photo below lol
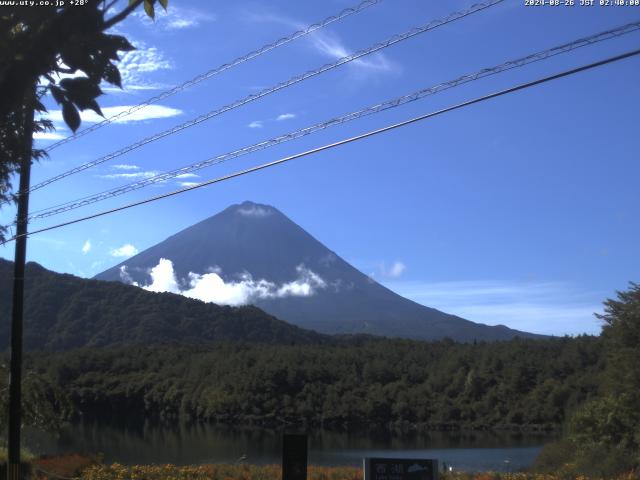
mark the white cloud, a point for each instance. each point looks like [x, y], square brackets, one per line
[127, 250]
[162, 278]
[86, 248]
[132, 89]
[132, 175]
[48, 136]
[136, 65]
[187, 175]
[123, 166]
[150, 112]
[303, 286]
[256, 124]
[380, 269]
[396, 269]
[212, 288]
[188, 184]
[552, 308]
[175, 18]
[285, 116]
[128, 172]
[255, 211]
[331, 46]
[125, 277]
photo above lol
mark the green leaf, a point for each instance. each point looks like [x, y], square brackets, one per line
[70, 115]
[93, 105]
[57, 94]
[81, 90]
[39, 107]
[148, 7]
[112, 75]
[121, 43]
[164, 3]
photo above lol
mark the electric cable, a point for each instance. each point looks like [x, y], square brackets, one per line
[373, 109]
[362, 136]
[215, 71]
[280, 86]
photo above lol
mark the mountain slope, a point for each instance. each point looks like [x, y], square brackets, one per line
[64, 312]
[260, 240]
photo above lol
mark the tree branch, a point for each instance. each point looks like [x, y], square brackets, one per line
[122, 15]
[111, 4]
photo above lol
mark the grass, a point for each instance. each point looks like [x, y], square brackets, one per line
[25, 455]
[81, 467]
[273, 472]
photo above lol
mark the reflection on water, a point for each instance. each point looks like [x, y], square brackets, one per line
[193, 444]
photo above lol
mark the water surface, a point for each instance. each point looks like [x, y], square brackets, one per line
[194, 444]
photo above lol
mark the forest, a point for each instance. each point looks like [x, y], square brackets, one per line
[522, 384]
[182, 360]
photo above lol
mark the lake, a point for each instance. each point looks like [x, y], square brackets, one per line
[194, 444]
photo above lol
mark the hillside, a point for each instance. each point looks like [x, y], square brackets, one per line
[63, 312]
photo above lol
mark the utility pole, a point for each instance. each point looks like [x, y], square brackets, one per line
[15, 382]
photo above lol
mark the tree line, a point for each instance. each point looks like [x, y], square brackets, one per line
[523, 384]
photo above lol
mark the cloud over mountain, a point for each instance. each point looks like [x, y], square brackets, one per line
[212, 288]
[259, 256]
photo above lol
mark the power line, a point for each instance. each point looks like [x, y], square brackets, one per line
[371, 133]
[373, 109]
[280, 86]
[206, 75]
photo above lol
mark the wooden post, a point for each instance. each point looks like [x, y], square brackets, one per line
[15, 382]
[294, 457]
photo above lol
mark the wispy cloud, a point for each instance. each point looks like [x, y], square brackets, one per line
[48, 136]
[127, 250]
[86, 248]
[255, 211]
[256, 124]
[129, 176]
[176, 18]
[137, 66]
[151, 112]
[552, 308]
[329, 44]
[184, 176]
[396, 269]
[285, 116]
[211, 287]
[124, 166]
[383, 270]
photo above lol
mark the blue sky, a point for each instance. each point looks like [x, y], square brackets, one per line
[517, 211]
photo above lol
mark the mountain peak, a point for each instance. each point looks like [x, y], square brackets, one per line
[253, 210]
[258, 251]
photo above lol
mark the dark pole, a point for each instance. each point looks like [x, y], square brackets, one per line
[15, 382]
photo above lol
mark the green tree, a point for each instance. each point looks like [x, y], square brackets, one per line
[604, 434]
[37, 45]
[44, 404]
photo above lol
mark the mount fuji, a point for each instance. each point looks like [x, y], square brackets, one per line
[252, 253]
